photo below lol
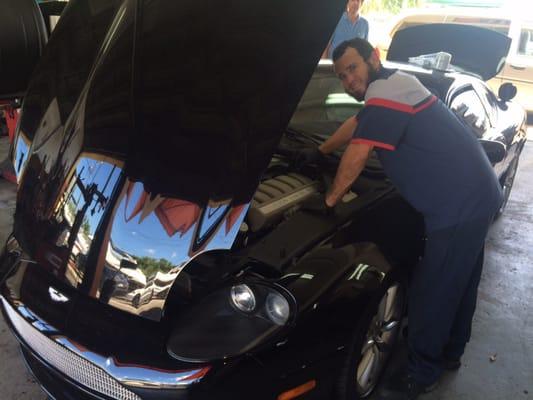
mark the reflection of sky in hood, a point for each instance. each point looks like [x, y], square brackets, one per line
[21, 155]
[149, 239]
[98, 172]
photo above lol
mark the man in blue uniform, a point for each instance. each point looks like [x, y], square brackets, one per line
[441, 170]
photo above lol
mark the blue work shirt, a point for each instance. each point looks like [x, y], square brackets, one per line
[345, 30]
[432, 158]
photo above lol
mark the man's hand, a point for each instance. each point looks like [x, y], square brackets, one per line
[317, 204]
[352, 163]
[307, 156]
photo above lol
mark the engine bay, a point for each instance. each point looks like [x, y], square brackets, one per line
[278, 196]
[283, 188]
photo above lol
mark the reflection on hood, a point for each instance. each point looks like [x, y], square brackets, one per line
[175, 215]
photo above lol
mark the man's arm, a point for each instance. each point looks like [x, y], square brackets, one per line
[352, 163]
[341, 136]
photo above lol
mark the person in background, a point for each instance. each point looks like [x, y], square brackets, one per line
[350, 26]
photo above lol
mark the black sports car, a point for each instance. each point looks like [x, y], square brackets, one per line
[160, 250]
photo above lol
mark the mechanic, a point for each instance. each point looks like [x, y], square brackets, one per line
[350, 26]
[439, 167]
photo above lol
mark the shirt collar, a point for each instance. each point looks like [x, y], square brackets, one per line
[384, 73]
[345, 15]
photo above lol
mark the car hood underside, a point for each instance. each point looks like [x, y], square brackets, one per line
[473, 49]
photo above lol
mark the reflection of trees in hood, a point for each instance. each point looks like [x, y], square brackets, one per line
[150, 266]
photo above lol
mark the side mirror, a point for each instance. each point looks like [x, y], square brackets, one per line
[507, 91]
[495, 151]
[22, 40]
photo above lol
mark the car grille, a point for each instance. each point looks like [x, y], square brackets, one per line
[67, 362]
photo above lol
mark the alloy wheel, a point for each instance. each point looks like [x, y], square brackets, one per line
[380, 338]
[508, 183]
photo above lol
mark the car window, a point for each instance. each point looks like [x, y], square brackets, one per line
[469, 108]
[525, 45]
[323, 106]
[494, 24]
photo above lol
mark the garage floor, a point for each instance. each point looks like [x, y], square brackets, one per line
[498, 363]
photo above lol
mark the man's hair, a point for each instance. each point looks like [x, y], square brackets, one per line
[363, 47]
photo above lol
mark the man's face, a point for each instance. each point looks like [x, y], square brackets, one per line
[352, 7]
[355, 73]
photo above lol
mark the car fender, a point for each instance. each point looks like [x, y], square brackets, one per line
[333, 287]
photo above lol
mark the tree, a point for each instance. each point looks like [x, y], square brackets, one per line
[390, 6]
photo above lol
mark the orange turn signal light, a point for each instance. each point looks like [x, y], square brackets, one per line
[297, 391]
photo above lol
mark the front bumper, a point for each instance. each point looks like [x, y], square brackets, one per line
[56, 386]
[66, 372]
[52, 358]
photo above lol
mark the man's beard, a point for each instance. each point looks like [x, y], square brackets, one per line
[373, 74]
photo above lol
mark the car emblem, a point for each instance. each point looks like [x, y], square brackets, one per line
[57, 296]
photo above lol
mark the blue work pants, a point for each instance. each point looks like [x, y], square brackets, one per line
[442, 297]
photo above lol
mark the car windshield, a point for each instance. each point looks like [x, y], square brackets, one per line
[324, 106]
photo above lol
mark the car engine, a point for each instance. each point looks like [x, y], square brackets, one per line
[278, 196]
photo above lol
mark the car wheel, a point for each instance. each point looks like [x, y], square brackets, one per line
[507, 184]
[374, 339]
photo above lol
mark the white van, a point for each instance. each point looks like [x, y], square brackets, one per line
[518, 68]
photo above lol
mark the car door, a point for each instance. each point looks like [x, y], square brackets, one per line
[519, 66]
[477, 114]
[467, 105]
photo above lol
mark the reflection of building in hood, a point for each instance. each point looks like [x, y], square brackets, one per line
[46, 138]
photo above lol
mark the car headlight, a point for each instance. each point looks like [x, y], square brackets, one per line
[277, 308]
[231, 321]
[243, 298]
[274, 306]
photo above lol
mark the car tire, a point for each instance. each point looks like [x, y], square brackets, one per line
[373, 341]
[507, 184]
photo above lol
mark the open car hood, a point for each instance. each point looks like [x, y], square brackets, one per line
[139, 148]
[216, 90]
[473, 49]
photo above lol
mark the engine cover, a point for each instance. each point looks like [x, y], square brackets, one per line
[276, 196]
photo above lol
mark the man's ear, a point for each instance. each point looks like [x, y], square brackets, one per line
[374, 58]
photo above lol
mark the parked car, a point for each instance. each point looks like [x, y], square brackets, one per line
[180, 163]
[518, 68]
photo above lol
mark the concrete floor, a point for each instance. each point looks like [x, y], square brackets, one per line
[498, 363]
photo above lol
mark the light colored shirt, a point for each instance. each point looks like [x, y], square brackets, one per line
[347, 30]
